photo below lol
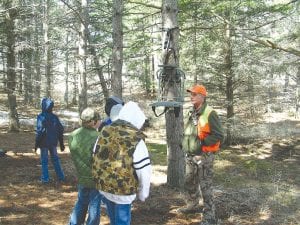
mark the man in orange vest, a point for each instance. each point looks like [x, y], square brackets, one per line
[203, 135]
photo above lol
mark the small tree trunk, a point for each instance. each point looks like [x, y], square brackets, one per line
[11, 65]
[82, 58]
[229, 82]
[99, 70]
[297, 114]
[66, 96]
[37, 60]
[75, 85]
[47, 50]
[117, 54]
[28, 78]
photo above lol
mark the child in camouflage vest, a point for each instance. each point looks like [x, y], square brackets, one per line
[121, 163]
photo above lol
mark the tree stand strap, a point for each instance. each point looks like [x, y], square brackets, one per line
[176, 111]
[165, 110]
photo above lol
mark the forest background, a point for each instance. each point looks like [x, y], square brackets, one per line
[79, 52]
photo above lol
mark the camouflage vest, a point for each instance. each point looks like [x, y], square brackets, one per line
[113, 160]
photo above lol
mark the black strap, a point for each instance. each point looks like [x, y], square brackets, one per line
[176, 111]
[165, 110]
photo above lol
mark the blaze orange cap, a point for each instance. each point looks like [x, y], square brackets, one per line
[198, 89]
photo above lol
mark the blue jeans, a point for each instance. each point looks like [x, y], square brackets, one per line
[89, 199]
[56, 164]
[119, 214]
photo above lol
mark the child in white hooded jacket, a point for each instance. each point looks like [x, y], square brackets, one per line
[118, 205]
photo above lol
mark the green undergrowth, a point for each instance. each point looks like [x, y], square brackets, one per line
[158, 153]
[232, 170]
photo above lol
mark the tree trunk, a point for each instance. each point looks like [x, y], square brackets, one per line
[146, 66]
[20, 75]
[297, 114]
[147, 78]
[82, 57]
[117, 53]
[229, 82]
[152, 73]
[11, 66]
[37, 55]
[66, 96]
[75, 85]
[28, 77]
[251, 95]
[99, 70]
[174, 125]
[195, 49]
[47, 51]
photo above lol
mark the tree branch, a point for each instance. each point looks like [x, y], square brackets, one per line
[266, 43]
[144, 4]
[74, 10]
[271, 44]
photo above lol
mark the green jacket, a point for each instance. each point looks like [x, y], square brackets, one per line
[81, 144]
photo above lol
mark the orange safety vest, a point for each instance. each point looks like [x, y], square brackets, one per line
[204, 130]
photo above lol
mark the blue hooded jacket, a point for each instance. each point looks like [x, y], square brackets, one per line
[49, 129]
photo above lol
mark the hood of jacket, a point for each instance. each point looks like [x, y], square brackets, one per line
[110, 102]
[132, 114]
[47, 105]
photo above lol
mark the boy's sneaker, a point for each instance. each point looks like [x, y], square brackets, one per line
[43, 182]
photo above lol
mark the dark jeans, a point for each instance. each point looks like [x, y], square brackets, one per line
[55, 161]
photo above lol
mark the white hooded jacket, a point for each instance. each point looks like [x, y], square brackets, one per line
[131, 113]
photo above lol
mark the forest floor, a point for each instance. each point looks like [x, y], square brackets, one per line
[255, 183]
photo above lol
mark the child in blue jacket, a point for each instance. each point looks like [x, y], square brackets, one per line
[49, 131]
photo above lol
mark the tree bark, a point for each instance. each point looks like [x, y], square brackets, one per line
[297, 114]
[82, 57]
[37, 55]
[28, 77]
[66, 95]
[9, 23]
[174, 125]
[229, 82]
[75, 85]
[47, 50]
[117, 53]
[99, 70]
